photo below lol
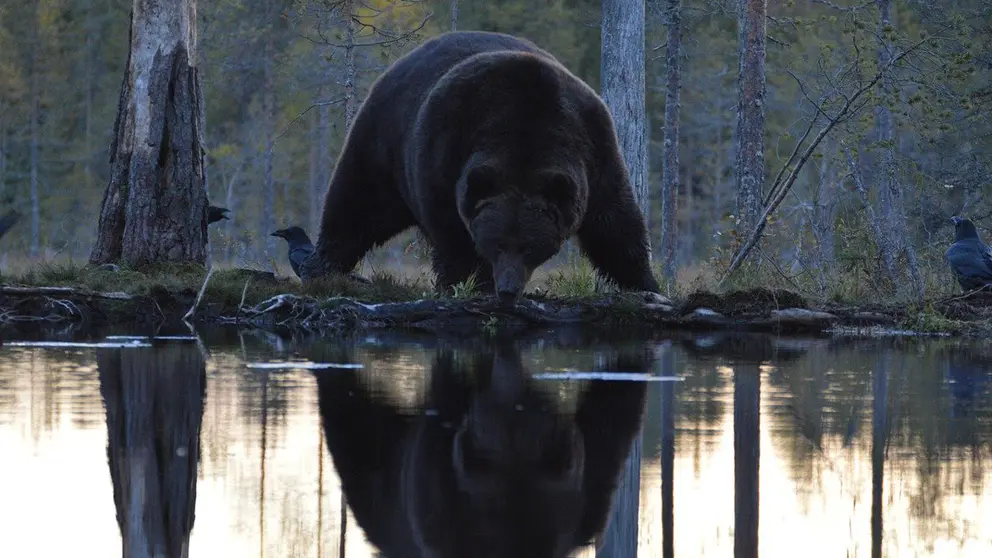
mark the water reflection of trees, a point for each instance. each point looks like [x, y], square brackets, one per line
[922, 411]
[154, 407]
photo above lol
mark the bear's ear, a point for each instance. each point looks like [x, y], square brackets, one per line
[481, 184]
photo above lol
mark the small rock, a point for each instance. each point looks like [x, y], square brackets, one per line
[109, 267]
[660, 308]
[803, 317]
[655, 298]
[705, 316]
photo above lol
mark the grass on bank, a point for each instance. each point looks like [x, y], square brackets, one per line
[575, 279]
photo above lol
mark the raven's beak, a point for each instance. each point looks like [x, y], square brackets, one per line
[278, 233]
[956, 220]
[223, 214]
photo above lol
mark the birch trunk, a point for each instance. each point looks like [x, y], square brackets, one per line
[155, 206]
[454, 15]
[750, 112]
[350, 74]
[623, 87]
[670, 174]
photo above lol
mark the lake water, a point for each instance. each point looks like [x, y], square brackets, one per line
[724, 445]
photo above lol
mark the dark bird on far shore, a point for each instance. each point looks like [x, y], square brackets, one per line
[215, 213]
[970, 259]
[300, 246]
[8, 221]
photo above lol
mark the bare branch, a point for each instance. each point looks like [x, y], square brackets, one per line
[308, 109]
[759, 227]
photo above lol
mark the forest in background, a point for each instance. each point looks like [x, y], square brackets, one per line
[281, 79]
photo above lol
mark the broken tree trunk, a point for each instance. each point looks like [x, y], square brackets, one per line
[155, 206]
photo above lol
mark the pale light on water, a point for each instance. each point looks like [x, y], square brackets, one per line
[266, 484]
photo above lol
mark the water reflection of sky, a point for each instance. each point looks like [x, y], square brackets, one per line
[815, 467]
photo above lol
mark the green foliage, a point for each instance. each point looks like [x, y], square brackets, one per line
[70, 57]
[576, 279]
[468, 288]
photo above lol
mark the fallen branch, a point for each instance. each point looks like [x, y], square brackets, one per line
[344, 314]
[62, 291]
[786, 186]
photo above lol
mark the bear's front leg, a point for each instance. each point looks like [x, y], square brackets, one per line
[454, 265]
[615, 239]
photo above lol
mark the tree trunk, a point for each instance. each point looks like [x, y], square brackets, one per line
[35, 116]
[824, 213]
[750, 113]
[3, 153]
[323, 162]
[454, 15]
[350, 73]
[891, 195]
[268, 110]
[670, 174]
[624, 86]
[155, 206]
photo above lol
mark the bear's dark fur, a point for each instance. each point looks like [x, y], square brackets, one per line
[498, 154]
[494, 470]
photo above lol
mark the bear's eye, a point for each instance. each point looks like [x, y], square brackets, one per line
[481, 187]
[558, 189]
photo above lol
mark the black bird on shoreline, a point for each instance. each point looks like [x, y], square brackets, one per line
[969, 258]
[215, 213]
[300, 246]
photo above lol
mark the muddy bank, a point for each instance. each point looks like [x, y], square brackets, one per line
[758, 310]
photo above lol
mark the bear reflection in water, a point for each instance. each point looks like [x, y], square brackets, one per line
[489, 466]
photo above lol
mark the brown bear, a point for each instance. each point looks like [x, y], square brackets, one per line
[498, 154]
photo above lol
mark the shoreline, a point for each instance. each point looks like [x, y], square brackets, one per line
[756, 310]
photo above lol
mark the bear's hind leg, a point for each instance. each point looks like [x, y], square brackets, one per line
[358, 216]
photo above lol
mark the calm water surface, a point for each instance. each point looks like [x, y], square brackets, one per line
[737, 446]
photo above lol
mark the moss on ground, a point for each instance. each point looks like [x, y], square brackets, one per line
[173, 288]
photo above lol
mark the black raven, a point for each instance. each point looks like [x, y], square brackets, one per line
[299, 245]
[970, 259]
[215, 213]
[8, 221]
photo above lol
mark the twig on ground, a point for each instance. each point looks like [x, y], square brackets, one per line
[199, 296]
[244, 293]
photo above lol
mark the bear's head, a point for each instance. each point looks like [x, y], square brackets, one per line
[518, 221]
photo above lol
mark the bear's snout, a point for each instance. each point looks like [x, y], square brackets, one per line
[511, 277]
